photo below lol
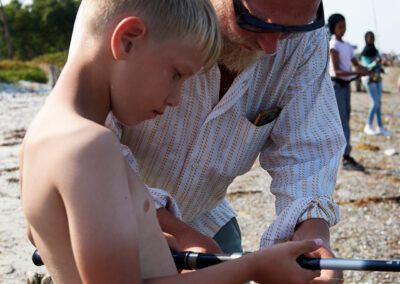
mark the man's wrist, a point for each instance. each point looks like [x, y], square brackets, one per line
[312, 229]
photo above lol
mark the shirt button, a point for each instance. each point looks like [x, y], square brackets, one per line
[194, 164]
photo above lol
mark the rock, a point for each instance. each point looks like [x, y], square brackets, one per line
[391, 152]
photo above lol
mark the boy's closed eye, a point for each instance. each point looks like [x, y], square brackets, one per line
[177, 75]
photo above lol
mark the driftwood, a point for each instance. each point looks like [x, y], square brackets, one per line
[54, 73]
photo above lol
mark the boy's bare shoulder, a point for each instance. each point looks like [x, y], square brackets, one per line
[90, 143]
[70, 147]
[91, 138]
[92, 163]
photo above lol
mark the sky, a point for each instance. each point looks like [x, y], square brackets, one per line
[380, 16]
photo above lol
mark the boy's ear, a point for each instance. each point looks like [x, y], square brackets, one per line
[125, 35]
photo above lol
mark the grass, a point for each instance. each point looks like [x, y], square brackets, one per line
[12, 71]
[57, 58]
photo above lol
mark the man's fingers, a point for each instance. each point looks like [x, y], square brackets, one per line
[328, 276]
[308, 246]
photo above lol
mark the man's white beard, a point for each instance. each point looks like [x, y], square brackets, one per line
[234, 56]
[237, 58]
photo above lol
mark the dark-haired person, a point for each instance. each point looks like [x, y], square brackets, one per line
[342, 59]
[270, 96]
[371, 59]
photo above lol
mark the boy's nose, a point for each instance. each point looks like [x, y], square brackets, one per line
[174, 98]
[268, 42]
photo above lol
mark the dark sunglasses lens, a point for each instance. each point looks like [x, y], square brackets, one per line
[249, 23]
[251, 28]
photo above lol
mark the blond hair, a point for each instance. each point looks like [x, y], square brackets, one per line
[191, 21]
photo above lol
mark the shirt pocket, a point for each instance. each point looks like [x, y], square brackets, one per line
[248, 140]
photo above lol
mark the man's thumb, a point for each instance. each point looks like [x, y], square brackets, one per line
[310, 245]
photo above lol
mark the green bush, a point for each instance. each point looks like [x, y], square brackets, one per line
[13, 65]
[14, 71]
[57, 58]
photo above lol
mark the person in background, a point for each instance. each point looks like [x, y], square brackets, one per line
[371, 59]
[341, 61]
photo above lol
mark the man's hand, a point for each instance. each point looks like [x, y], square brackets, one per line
[188, 238]
[313, 229]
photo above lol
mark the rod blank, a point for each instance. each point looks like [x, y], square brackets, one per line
[349, 264]
[191, 260]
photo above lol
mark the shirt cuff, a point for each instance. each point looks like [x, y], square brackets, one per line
[211, 222]
[164, 199]
[282, 229]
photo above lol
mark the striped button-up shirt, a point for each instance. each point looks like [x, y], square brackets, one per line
[193, 152]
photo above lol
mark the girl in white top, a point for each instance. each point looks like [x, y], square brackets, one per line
[342, 60]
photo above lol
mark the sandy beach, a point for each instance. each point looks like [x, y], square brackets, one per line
[18, 105]
[369, 201]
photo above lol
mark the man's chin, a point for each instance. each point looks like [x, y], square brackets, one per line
[238, 60]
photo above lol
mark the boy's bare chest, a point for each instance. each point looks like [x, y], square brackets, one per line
[155, 255]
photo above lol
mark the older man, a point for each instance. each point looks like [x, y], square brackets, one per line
[269, 96]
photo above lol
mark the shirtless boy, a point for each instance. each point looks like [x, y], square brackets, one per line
[88, 214]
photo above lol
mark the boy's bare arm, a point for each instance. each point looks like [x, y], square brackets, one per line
[274, 264]
[188, 238]
[21, 170]
[102, 223]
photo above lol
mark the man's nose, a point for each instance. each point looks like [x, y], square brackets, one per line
[269, 42]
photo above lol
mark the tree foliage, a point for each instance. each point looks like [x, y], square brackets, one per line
[43, 27]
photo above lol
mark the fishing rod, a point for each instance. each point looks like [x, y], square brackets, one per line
[192, 260]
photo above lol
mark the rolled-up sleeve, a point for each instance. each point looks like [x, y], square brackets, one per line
[304, 150]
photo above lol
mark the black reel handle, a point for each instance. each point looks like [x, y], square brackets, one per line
[37, 260]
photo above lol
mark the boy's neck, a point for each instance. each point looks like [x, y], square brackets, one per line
[84, 88]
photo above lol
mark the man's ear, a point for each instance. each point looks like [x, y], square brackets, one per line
[125, 35]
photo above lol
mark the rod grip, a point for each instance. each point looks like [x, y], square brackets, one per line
[309, 262]
[191, 260]
[37, 260]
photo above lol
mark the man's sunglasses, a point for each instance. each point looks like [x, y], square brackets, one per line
[250, 23]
